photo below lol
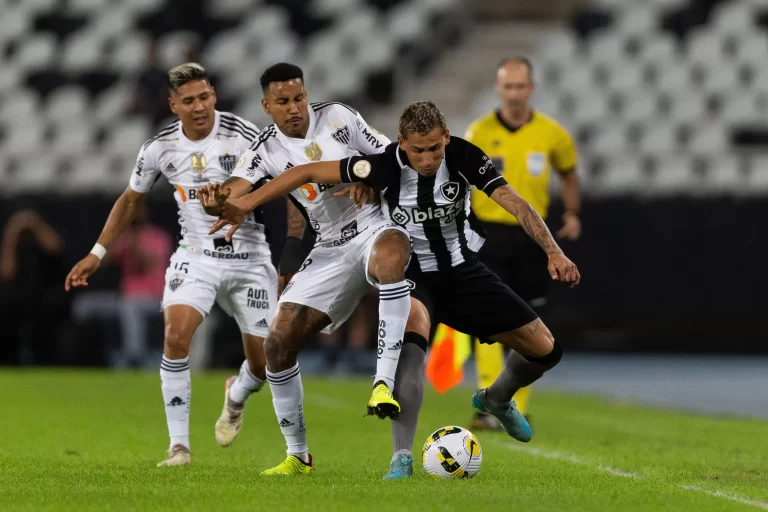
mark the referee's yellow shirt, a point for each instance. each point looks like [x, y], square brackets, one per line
[525, 157]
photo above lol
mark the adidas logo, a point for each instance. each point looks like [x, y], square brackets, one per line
[170, 168]
[397, 346]
[176, 401]
[262, 323]
[285, 423]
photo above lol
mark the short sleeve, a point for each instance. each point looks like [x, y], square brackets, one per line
[564, 155]
[478, 168]
[253, 166]
[366, 140]
[376, 171]
[146, 171]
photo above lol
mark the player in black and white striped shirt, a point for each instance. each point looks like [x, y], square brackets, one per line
[425, 180]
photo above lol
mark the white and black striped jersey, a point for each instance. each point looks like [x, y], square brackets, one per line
[336, 131]
[434, 209]
[188, 164]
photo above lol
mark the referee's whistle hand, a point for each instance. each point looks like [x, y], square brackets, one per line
[563, 269]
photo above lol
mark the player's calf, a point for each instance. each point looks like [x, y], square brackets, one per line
[389, 257]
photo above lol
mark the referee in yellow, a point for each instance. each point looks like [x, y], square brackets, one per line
[527, 147]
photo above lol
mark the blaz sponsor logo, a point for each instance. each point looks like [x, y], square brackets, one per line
[257, 298]
[371, 138]
[221, 244]
[348, 232]
[228, 162]
[399, 216]
[445, 213]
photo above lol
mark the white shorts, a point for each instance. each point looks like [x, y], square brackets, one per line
[334, 279]
[247, 293]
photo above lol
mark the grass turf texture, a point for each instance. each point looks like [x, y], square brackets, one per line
[88, 440]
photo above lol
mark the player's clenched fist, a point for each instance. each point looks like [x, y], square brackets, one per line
[80, 273]
[563, 269]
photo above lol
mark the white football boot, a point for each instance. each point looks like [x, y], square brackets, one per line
[177, 456]
[231, 419]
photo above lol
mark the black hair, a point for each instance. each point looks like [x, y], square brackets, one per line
[281, 72]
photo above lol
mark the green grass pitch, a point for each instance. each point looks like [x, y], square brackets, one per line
[89, 440]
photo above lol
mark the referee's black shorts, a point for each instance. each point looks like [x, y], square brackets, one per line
[470, 298]
[520, 263]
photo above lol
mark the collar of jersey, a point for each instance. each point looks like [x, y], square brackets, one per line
[210, 136]
[402, 158]
[513, 129]
[310, 131]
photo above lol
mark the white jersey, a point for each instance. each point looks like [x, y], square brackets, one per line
[336, 131]
[188, 164]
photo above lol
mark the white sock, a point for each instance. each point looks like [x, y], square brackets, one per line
[244, 385]
[288, 400]
[176, 383]
[394, 306]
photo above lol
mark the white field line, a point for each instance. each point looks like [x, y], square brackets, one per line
[565, 457]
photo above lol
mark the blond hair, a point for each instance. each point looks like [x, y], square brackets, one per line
[421, 117]
[187, 72]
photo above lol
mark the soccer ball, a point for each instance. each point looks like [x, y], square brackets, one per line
[452, 452]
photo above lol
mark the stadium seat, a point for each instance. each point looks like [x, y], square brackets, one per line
[231, 9]
[112, 104]
[333, 8]
[125, 138]
[657, 48]
[710, 140]
[73, 138]
[733, 17]
[24, 105]
[672, 176]
[83, 51]
[725, 175]
[66, 103]
[35, 52]
[621, 175]
[660, 138]
[130, 54]
[267, 20]
[173, 48]
[610, 138]
[37, 172]
[87, 7]
[406, 21]
[14, 23]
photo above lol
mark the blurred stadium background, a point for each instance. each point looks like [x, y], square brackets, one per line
[667, 100]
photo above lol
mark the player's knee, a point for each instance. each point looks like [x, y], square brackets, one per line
[389, 257]
[176, 344]
[279, 353]
[550, 360]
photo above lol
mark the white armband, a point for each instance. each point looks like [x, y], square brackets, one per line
[99, 251]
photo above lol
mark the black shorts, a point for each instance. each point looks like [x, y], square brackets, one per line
[470, 298]
[520, 263]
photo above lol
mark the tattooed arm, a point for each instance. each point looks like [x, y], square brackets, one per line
[560, 267]
[532, 223]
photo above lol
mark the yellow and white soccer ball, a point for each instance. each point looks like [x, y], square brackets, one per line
[452, 452]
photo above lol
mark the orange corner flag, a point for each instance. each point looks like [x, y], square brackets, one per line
[445, 364]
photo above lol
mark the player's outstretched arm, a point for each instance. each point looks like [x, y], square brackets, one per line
[122, 214]
[560, 267]
[234, 211]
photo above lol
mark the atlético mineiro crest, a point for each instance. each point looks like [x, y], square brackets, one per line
[450, 190]
[175, 283]
[341, 135]
[228, 162]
